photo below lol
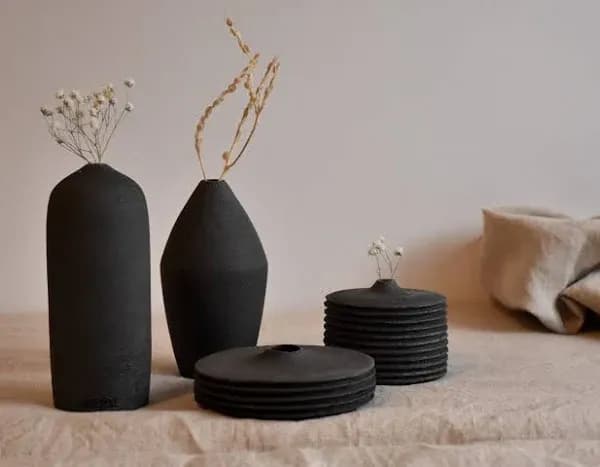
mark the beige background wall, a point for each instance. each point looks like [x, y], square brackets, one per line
[394, 117]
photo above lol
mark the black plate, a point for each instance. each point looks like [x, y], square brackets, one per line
[342, 315]
[316, 391]
[396, 381]
[293, 415]
[283, 390]
[407, 339]
[292, 406]
[331, 396]
[416, 366]
[388, 314]
[395, 351]
[385, 327]
[411, 373]
[286, 364]
[412, 358]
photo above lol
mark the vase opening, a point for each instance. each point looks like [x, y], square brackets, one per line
[286, 348]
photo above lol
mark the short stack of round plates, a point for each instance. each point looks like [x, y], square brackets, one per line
[284, 382]
[404, 330]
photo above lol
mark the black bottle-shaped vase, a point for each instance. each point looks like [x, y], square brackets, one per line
[214, 276]
[98, 259]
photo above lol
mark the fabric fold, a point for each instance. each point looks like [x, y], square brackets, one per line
[542, 262]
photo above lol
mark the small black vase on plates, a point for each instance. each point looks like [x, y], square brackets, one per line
[214, 276]
[98, 259]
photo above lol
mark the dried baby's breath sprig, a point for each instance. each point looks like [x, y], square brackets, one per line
[257, 97]
[379, 249]
[84, 125]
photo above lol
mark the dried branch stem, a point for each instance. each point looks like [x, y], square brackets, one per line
[257, 97]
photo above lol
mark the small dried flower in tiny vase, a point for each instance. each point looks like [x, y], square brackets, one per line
[404, 330]
[387, 263]
[214, 268]
[98, 263]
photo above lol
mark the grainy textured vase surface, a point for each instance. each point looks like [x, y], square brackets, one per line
[214, 276]
[98, 259]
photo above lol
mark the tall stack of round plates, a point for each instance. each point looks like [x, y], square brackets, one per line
[285, 382]
[404, 330]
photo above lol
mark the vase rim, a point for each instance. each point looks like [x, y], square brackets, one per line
[212, 180]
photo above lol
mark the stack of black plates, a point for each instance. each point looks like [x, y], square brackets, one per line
[404, 330]
[285, 382]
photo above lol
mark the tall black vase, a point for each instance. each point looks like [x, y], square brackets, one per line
[214, 276]
[99, 291]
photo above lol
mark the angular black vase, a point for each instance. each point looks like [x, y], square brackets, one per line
[214, 276]
[99, 291]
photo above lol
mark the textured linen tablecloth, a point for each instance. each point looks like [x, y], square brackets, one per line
[515, 395]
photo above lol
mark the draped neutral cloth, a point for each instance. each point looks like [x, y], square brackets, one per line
[515, 395]
[544, 263]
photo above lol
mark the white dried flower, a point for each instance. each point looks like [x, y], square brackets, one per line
[94, 123]
[68, 103]
[100, 99]
[373, 251]
[129, 107]
[46, 112]
[60, 94]
[110, 87]
[399, 251]
[59, 140]
[93, 112]
[76, 96]
[56, 126]
[375, 247]
[129, 82]
[113, 101]
[59, 110]
[380, 244]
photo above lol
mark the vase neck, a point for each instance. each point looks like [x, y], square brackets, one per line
[385, 286]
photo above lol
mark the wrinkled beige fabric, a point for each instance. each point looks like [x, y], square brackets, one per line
[513, 396]
[544, 263]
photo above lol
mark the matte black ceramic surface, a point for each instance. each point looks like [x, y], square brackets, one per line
[383, 328]
[284, 364]
[393, 380]
[418, 357]
[340, 315]
[279, 406]
[98, 259]
[404, 330]
[335, 409]
[214, 276]
[392, 313]
[379, 352]
[285, 390]
[424, 365]
[281, 397]
[285, 381]
[414, 338]
[385, 294]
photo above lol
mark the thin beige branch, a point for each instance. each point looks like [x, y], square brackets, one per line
[233, 86]
[257, 97]
[269, 78]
